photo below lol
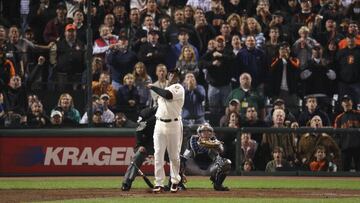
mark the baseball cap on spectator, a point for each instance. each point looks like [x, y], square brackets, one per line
[346, 97]
[279, 102]
[61, 5]
[220, 38]
[56, 113]
[70, 27]
[103, 96]
[234, 102]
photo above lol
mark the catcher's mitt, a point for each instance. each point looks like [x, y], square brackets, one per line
[210, 143]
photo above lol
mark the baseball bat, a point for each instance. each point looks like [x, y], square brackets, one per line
[146, 179]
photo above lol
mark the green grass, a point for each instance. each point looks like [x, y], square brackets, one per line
[193, 182]
[205, 200]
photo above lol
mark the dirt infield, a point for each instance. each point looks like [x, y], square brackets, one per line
[26, 195]
[23, 195]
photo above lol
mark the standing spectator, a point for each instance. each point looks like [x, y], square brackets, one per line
[218, 70]
[70, 60]
[81, 27]
[161, 82]
[284, 78]
[103, 86]
[352, 29]
[318, 76]
[310, 111]
[7, 69]
[279, 162]
[193, 109]
[272, 45]
[187, 62]
[349, 144]
[15, 96]
[120, 61]
[152, 53]
[235, 23]
[189, 14]
[310, 141]
[285, 140]
[151, 9]
[54, 29]
[248, 96]
[330, 33]
[132, 27]
[253, 61]
[303, 46]
[141, 80]
[105, 42]
[263, 15]
[205, 30]
[39, 15]
[127, 100]
[304, 17]
[348, 63]
[66, 106]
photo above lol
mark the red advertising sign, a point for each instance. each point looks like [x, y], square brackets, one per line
[67, 155]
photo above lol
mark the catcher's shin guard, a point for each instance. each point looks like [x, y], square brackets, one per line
[219, 170]
[132, 170]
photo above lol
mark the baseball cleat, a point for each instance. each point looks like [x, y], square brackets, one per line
[158, 189]
[174, 188]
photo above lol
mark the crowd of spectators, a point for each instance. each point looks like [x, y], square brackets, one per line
[275, 63]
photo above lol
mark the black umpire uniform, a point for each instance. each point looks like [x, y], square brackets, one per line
[144, 145]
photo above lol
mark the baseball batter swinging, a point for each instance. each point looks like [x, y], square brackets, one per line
[168, 131]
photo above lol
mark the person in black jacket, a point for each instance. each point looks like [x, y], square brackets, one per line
[218, 71]
[348, 63]
[348, 143]
[144, 145]
[286, 87]
[152, 53]
[70, 59]
[318, 77]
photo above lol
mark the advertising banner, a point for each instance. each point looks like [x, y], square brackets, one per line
[68, 155]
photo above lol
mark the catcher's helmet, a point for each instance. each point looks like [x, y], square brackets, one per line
[205, 126]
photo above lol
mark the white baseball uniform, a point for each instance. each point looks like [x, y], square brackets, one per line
[168, 134]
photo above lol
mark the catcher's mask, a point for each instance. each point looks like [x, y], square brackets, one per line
[205, 127]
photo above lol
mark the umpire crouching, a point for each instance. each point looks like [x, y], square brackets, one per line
[144, 145]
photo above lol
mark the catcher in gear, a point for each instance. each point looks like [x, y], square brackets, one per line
[202, 157]
[144, 145]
